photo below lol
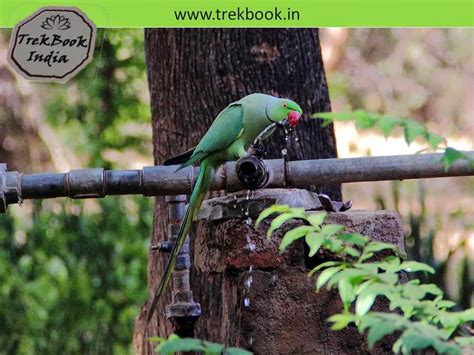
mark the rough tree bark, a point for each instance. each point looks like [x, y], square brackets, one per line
[195, 73]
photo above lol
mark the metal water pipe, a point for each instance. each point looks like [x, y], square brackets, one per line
[233, 176]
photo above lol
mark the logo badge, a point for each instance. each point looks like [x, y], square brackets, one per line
[53, 44]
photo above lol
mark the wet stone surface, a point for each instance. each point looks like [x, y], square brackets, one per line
[234, 205]
[278, 310]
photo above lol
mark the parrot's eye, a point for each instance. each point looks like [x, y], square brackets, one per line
[284, 105]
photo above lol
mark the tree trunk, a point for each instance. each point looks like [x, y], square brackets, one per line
[194, 73]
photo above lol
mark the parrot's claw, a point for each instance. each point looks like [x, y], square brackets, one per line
[258, 150]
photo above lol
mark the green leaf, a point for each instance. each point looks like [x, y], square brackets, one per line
[388, 277]
[467, 315]
[450, 320]
[445, 304]
[413, 130]
[331, 229]
[411, 291]
[352, 251]
[346, 291]
[371, 268]
[414, 282]
[354, 238]
[387, 124]
[354, 276]
[433, 290]
[365, 256]
[465, 341]
[367, 321]
[378, 331]
[414, 340]
[377, 319]
[269, 211]
[314, 241]
[406, 306]
[414, 266]
[284, 217]
[326, 275]
[444, 347]
[177, 344]
[450, 156]
[341, 320]
[363, 286]
[375, 288]
[364, 302]
[293, 235]
[316, 219]
[333, 244]
[365, 119]
[213, 348]
[389, 263]
[324, 265]
[335, 116]
[434, 140]
[373, 247]
[397, 346]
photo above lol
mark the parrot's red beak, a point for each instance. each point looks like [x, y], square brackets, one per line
[293, 118]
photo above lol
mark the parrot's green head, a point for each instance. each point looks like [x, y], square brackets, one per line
[283, 110]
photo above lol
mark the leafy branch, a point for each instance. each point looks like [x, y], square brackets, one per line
[424, 320]
[387, 124]
[175, 344]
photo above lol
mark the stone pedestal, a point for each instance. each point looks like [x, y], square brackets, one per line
[280, 313]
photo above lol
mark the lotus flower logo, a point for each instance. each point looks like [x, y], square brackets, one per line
[56, 22]
[52, 44]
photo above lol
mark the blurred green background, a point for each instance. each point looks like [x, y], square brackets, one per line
[73, 273]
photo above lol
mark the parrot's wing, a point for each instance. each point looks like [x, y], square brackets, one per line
[180, 159]
[225, 129]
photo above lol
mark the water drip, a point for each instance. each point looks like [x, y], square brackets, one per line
[249, 221]
[248, 195]
[248, 282]
[250, 246]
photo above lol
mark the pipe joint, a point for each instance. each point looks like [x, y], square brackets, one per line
[252, 172]
[10, 191]
[86, 183]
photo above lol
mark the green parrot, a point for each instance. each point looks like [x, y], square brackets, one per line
[233, 131]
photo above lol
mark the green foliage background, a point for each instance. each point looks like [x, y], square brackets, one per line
[73, 273]
[418, 313]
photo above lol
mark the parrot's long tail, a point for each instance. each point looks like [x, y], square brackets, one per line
[199, 191]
